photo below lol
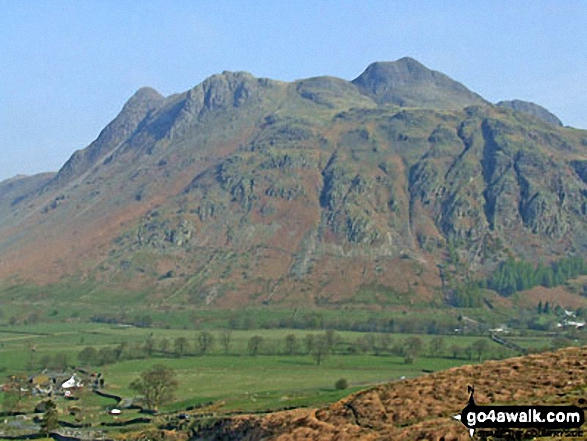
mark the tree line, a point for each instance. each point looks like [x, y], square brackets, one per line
[512, 276]
[316, 345]
[519, 275]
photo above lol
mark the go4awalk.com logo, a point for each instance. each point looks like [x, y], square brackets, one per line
[540, 418]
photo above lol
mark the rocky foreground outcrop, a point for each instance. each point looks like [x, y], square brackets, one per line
[422, 408]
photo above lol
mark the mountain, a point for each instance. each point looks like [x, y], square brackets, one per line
[13, 190]
[423, 407]
[532, 109]
[137, 108]
[408, 83]
[247, 190]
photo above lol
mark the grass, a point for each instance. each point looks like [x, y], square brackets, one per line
[235, 382]
[255, 382]
[232, 376]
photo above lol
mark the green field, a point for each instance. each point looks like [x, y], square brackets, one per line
[228, 380]
[245, 382]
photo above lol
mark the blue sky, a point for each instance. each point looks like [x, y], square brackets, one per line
[67, 67]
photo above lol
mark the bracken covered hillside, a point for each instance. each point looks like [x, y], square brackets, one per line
[422, 408]
[245, 190]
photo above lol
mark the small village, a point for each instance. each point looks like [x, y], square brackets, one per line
[84, 406]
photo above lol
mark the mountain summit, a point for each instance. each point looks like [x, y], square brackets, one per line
[532, 109]
[408, 83]
[119, 130]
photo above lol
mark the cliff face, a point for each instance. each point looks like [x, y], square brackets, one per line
[248, 190]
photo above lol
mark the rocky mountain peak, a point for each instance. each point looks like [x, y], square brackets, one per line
[403, 71]
[136, 109]
[532, 109]
[145, 95]
[408, 83]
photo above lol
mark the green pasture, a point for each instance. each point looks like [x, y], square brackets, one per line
[265, 382]
[235, 381]
[19, 344]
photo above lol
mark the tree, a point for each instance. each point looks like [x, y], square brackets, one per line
[468, 352]
[83, 411]
[143, 321]
[309, 342]
[254, 345]
[45, 361]
[455, 350]
[149, 346]
[180, 345]
[226, 339]
[120, 350]
[88, 356]
[290, 344]
[320, 348]
[157, 385]
[106, 356]
[363, 345]
[370, 340]
[50, 418]
[414, 346]
[436, 346]
[384, 342]
[59, 361]
[341, 384]
[479, 346]
[205, 342]
[135, 351]
[164, 345]
[332, 339]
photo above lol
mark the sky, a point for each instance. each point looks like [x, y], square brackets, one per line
[68, 67]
